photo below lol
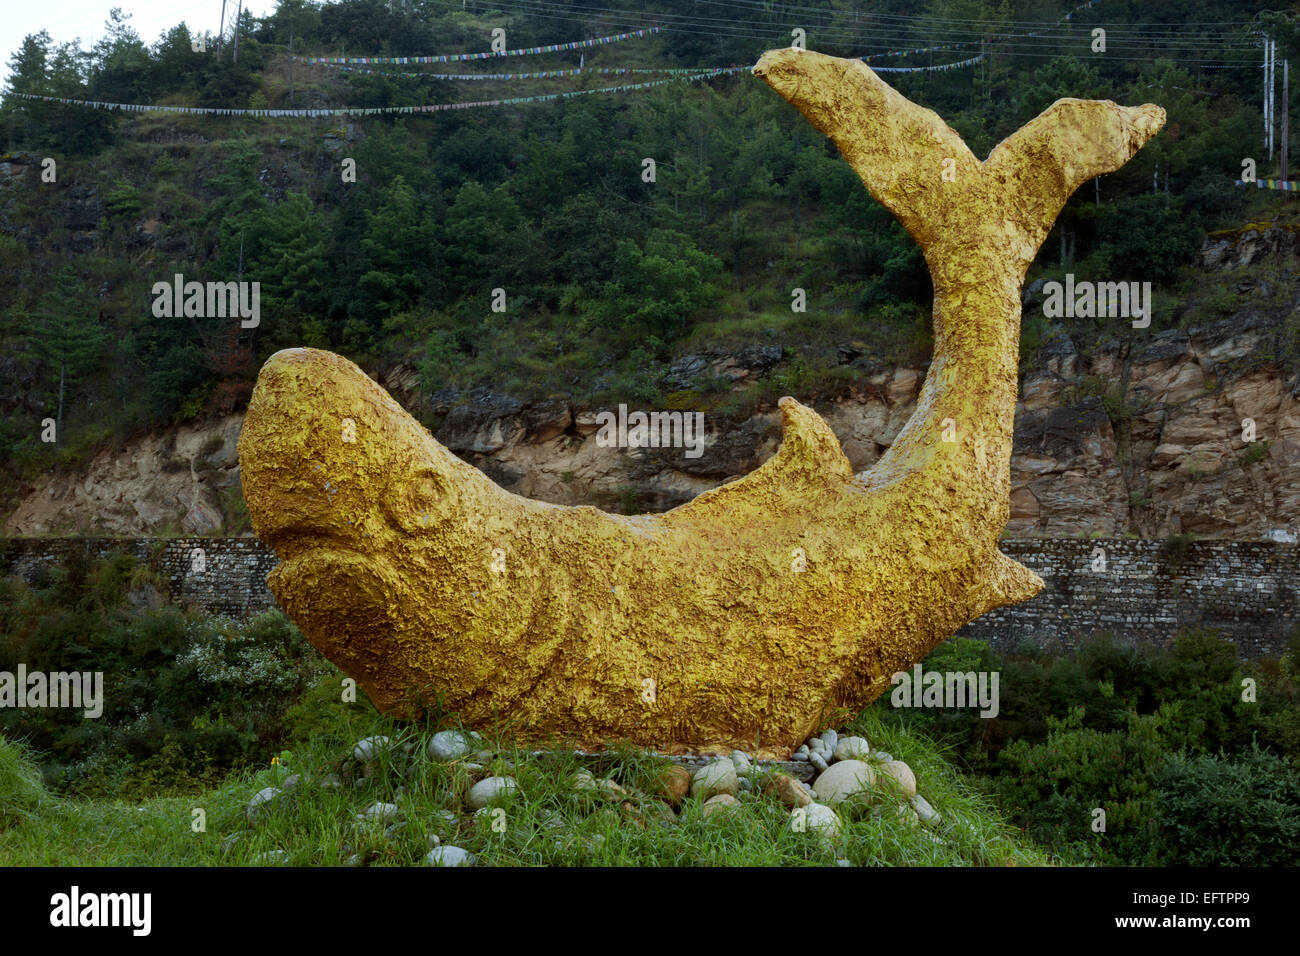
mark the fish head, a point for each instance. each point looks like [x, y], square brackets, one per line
[327, 457]
[348, 489]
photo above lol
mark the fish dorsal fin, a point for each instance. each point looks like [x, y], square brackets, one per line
[808, 445]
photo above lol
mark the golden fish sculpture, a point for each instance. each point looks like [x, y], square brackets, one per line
[760, 611]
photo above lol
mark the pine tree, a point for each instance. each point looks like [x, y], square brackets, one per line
[64, 333]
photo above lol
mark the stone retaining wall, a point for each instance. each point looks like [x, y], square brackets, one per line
[1141, 590]
[219, 575]
[1145, 591]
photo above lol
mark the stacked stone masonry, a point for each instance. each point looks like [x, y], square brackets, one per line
[217, 575]
[1140, 590]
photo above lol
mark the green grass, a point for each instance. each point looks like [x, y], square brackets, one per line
[547, 822]
[21, 795]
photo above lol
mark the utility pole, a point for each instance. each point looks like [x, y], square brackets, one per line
[1286, 111]
[240, 9]
[1268, 96]
[58, 431]
[291, 59]
[221, 28]
[798, 221]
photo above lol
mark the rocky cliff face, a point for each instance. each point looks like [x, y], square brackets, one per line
[1162, 449]
[183, 480]
[1145, 436]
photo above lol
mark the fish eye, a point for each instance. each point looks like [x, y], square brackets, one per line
[418, 500]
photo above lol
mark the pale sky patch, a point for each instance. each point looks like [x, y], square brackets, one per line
[69, 19]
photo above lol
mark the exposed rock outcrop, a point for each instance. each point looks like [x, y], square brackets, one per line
[1141, 436]
[167, 481]
[1177, 465]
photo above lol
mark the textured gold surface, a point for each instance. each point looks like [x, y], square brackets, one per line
[692, 630]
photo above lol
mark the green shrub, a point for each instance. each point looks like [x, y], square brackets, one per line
[185, 698]
[1255, 452]
[1054, 788]
[1176, 549]
[123, 201]
[1220, 812]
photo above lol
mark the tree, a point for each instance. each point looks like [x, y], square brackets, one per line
[65, 334]
[478, 239]
[655, 291]
[176, 66]
[397, 247]
[42, 69]
[1062, 76]
[28, 69]
[122, 62]
[290, 257]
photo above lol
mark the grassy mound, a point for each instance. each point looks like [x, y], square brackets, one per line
[546, 821]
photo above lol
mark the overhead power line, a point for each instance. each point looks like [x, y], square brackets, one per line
[366, 110]
[829, 26]
[485, 54]
[1048, 42]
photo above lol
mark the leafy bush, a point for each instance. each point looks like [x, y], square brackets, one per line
[123, 202]
[184, 698]
[655, 290]
[1255, 452]
[1220, 812]
[1054, 788]
[1130, 710]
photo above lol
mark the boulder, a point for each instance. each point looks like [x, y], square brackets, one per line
[370, 747]
[721, 802]
[449, 856]
[844, 780]
[672, 785]
[783, 787]
[900, 776]
[448, 745]
[715, 778]
[926, 813]
[261, 803]
[819, 819]
[852, 748]
[489, 791]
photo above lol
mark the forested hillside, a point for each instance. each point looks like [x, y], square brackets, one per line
[607, 277]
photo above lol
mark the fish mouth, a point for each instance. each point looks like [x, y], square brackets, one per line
[291, 531]
[302, 542]
[320, 555]
[335, 593]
